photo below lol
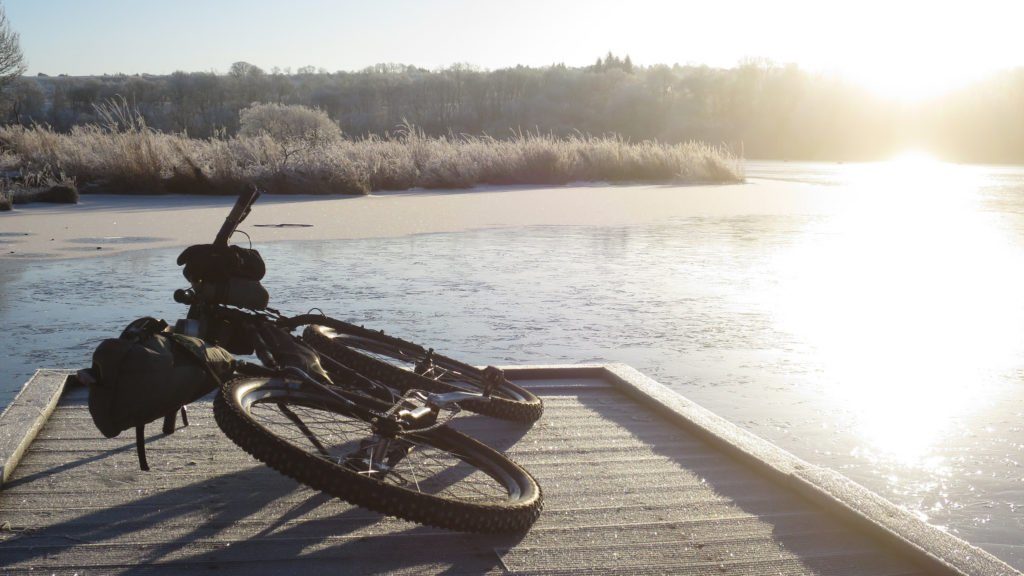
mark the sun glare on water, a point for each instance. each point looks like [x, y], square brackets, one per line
[905, 305]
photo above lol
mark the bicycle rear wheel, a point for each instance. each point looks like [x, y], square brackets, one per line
[380, 355]
[439, 477]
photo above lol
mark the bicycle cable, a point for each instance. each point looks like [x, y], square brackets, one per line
[243, 233]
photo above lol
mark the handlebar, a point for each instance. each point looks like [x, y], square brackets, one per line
[184, 296]
[237, 214]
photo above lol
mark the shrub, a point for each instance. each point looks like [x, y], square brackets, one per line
[289, 123]
[59, 194]
[55, 194]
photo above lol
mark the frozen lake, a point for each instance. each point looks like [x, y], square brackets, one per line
[883, 338]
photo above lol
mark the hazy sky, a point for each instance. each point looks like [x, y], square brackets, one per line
[899, 47]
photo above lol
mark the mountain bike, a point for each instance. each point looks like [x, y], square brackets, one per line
[362, 415]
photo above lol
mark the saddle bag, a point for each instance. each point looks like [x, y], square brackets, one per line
[147, 374]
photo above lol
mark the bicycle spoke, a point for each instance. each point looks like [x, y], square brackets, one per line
[405, 462]
[305, 429]
[444, 464]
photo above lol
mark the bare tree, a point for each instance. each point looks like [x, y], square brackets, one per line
[12, 62]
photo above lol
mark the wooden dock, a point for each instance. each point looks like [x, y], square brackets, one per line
[637, 480]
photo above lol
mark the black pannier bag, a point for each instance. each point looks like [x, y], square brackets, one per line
[234, 292]
[226, 275]
[207, 262]
[147, 374]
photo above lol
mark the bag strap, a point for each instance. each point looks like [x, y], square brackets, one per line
[140, 446]
[140, 437]
[170, 419]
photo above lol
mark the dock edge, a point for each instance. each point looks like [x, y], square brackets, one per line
[26, 415]
[940, 552]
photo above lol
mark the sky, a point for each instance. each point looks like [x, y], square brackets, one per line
[901, 47]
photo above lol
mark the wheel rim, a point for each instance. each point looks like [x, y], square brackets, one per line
[423, 463]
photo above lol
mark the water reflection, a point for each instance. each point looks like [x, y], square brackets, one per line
[910, 299]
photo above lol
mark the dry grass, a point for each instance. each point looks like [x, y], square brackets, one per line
[124, 155]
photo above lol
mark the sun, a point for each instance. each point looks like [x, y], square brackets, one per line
[915, 158]
[897, 79]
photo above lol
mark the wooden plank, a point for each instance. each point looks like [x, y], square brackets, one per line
[25, 416]
[409, 542]
[729, 533]
[942, 553]
[662, 486]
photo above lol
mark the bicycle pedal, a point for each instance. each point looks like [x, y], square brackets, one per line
[415, 414]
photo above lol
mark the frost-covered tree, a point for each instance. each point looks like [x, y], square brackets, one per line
[288, 122]
[12, 61]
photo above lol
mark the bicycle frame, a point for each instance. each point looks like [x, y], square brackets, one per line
[359, 394]
[356, 393]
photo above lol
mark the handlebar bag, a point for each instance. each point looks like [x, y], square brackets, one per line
[147, 374]
[206, 262]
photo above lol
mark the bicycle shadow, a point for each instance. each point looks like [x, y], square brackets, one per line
[253, 516]
[385, 546]
[501, 435]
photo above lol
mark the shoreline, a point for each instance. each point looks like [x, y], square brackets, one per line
[104, 224]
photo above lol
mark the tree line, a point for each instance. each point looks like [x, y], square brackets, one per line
[758, 109]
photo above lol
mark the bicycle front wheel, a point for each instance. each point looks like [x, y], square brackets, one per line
[439, 477]
[373, 353]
